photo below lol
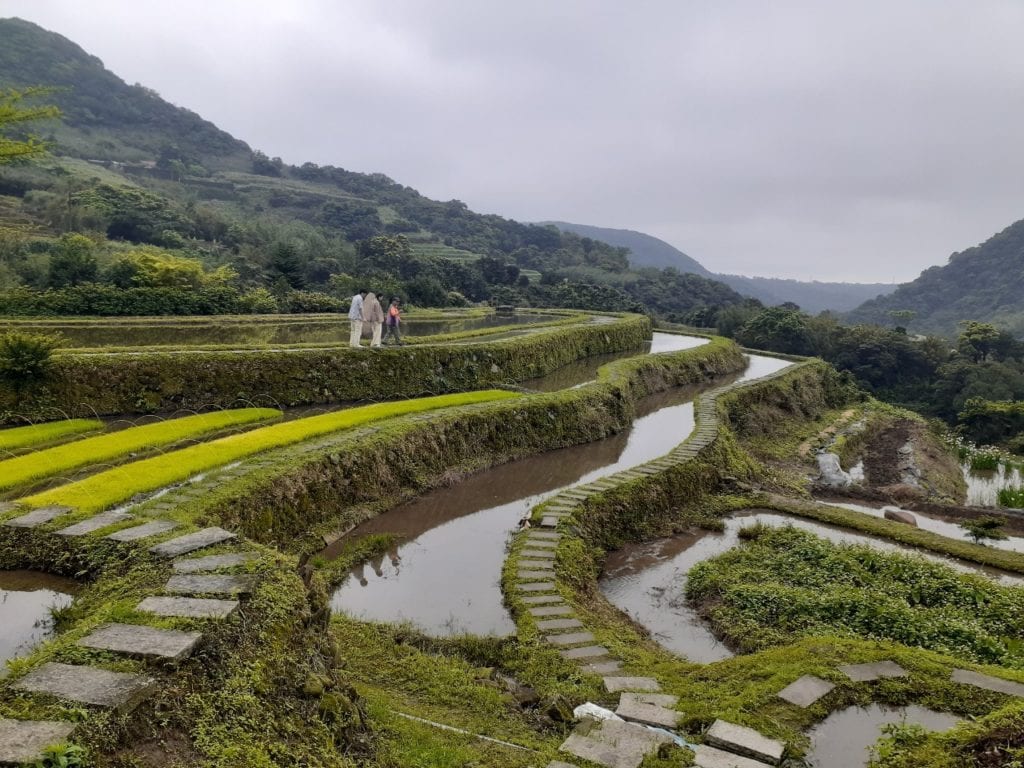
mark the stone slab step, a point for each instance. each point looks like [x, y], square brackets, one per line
[94, 523]
[545, 554]
[152, 528]
[618, 684]
[595, 751]
[542, 599]
[191, 542]
[544, 544]
[861, 673]
[536, 586]
[549, 624]
[615, 744]
[544, 535]
[571, 638]
[538, 565]
[528, 575]
[744, 741]
[551, 610]
[602, 667]
[213, 562]
[988, 682]
[38, 517]
[188, 607]
[22, 741]
[805, 691]
[587, 652]
[549, 521]
[87, 685]
[647, 714]
[140, 640]
[709, 757]
[207, 584]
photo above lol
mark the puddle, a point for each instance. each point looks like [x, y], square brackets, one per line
[844, 739]
[25, 601]
[648, 581]
[983, 486]
[445, 574]
[932, 523]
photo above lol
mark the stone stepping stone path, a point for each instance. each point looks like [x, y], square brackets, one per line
[571, 638]
[551, 610]
[744, 741]
[862, 673]
[190, 542]
[587, 652]
[545, 574]
[38, 517]
[608, 667]
[542, 554]
[618, 684]
[988, 682]
[140, 640]
[22, 741]
[205, 584]
[548, 624]
[542, 599]
[806, 690]
[657, 709]
[143, 531]
[188, 607]
[94, 523]
[709, 757]
[87, 685]
[615, 744]
[213, 562]
[536, 586]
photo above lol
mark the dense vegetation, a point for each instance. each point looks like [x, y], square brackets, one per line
[982, 283]
[785, 583]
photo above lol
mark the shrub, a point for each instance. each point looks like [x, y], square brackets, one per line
[984, 528]
[25, 358]
[311, 301]
[1011, 497]
[258, 301]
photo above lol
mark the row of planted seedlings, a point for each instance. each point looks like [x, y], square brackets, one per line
[165, 382]
[119, 580]
[707, 477]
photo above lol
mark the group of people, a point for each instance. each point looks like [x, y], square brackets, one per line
[366, 308]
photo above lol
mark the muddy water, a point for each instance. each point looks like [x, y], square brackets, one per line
[26, 598]
[933, 523]
[648, 581]
[444, 576]
[844, 739]
[983, 486]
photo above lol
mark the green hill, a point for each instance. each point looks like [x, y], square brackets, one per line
[982, 283]
[645, 250]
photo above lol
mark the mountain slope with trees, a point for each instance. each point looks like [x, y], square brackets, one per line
[982, 283]
[813, 296]
[141, 195]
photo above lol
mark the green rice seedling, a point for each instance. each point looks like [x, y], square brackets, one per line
[103, 489]
[38, 465]
[20, 438]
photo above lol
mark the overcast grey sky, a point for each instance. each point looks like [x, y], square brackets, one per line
[860, 141]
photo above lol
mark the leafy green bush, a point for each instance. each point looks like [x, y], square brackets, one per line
[25, 358]
[986, 460]
[1011, 497]
[116, 445]
[17, 438]
[106, 488]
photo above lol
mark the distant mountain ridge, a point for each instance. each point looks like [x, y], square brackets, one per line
[982, 283]
[814, 296]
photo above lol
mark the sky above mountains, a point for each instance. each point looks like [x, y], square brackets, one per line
[791, 139]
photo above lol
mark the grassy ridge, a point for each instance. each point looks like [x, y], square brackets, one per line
[62, 458]
[19, 438]
[106, 488]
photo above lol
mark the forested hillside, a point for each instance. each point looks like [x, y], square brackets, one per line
[144, 207]
[981, 283]
[813, 296]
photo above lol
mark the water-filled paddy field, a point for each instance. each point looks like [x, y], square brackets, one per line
[26, 601]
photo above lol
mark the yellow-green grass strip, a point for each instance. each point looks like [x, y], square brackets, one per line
[20, 438]
[39, 465]
[106, 488]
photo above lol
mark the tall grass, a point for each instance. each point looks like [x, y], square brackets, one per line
[19, 438]
[1011, 497]
[104, 489]
[116, 445]
[986, 460]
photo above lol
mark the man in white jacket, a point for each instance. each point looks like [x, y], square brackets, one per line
[355, 317]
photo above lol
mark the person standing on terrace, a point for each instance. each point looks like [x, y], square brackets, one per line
[355, 317]
[374, 315]
[394, 320]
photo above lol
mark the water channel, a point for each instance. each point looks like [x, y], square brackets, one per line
[443, 576]
[26, 599]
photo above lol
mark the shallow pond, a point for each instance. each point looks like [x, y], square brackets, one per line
[648, 581]
[844, 739]
[26, 598]
[984, 485]
[444, 576]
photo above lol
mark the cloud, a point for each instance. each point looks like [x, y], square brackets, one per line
[800, 139]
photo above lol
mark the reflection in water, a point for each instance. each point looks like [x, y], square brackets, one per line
[26, 598]
[844, 739]
[933, 523]
[983, 486]
[648, 581]
[445, 576]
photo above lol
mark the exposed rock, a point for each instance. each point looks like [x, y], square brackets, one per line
[558, 708]
[899, 515]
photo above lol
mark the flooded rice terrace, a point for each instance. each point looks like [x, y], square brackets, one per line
[444, 574]
[26, 599]
[984, 485]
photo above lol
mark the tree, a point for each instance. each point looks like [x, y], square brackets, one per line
[73, 262]
[984, 528]
[285, 262]
[977, 339]
[25, 358]
[14, 113]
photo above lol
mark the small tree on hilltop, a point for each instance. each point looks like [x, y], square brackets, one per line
[984, 528]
